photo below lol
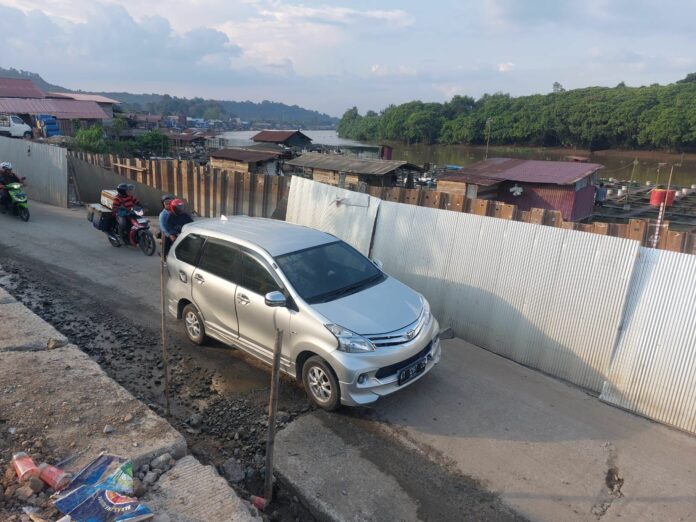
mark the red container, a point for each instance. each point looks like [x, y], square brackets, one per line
[53, 477]
[658, 196]
[24, 466]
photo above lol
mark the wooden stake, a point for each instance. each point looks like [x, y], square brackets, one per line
[165, 355]
[272, 409]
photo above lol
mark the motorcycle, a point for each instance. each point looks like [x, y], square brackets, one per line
[139, 234]
[18, 203]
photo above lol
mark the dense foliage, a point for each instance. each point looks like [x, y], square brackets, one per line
[654, 117]
[94, 140]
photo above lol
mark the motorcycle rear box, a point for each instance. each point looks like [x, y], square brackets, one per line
[107, 198]
[101, 217]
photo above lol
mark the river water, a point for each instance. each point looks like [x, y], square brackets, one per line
[617, 163]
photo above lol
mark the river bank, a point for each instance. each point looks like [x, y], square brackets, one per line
[617, 163]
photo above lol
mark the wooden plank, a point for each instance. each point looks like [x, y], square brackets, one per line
[480, 207]
[637, 230]
[553, 218]
[222, 195]
[675, 241]
[238, 193]
[585, 227]
[455, 202]
[430, 199]
[411, 196]
[568, 225]
[394, 194]
[690, 243]
[536, 216]
[525, 216]
[600, 228]
[621, 230]
[376, 192]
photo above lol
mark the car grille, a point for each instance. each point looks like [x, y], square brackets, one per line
[402, 336]
[394, 368]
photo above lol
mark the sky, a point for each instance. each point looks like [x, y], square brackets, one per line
[331, 55]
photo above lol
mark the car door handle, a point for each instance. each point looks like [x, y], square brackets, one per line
[242, 299]
[199, 279]
[182, 276]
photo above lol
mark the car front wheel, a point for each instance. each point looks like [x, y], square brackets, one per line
[321, 384]
[193, 323]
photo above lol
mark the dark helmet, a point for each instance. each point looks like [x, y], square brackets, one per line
[165, 198]
[176, 206]
[122, 189]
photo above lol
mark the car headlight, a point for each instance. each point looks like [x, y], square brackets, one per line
[426, 316]
[350, 342]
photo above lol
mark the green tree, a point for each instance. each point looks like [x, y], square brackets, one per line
[90, 140]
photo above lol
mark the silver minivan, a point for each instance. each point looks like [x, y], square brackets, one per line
[351, 332]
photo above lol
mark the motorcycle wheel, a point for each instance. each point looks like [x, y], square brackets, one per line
[23, 213]
[113, 240]
[147, 243]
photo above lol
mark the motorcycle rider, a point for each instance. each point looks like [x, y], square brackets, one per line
[164, 215]
[7, 177]
[123, 204]
[177, 219]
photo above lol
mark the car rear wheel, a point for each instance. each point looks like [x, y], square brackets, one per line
[193, 323]
[321, 384]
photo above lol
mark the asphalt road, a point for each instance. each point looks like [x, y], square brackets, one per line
[549, 450]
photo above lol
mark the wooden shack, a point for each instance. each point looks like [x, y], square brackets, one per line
[243, 160]
[340, 170]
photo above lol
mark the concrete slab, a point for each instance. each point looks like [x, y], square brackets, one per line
[192, 492]
[546, 447]
[69, 399]
[22, 330]
[333, 479]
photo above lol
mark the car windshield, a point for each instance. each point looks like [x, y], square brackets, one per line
[326, 272]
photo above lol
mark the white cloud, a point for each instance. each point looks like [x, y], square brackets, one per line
[386, 70]
[506, 67]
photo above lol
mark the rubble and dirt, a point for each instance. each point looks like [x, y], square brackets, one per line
[219, 421]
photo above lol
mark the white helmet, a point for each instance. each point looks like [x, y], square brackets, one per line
[6, 165]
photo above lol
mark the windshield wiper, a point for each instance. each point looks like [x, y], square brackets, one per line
[347, 290]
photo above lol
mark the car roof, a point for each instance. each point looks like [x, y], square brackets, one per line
[274, 236]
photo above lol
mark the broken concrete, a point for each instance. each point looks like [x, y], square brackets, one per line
[22, 330]
[191, 492]
[334, 480]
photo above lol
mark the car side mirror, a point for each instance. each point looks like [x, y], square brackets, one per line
[275, 299]
[378, 263]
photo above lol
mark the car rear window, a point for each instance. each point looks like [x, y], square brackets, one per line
[189, 249]
[221, 259]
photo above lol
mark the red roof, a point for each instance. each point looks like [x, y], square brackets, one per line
[61, 109]
[242, 155]
[18, 88]
[277, 136]
[531, 171]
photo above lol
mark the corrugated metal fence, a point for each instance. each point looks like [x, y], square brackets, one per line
[654, 369]
[597, 311]
[348, 215]
[45, 167]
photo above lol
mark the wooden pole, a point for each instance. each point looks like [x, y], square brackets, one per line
[272, 410]
[163, 304]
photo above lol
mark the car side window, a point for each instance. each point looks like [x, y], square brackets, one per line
[189, 249]
[256, 277]
[16, 119]
[221, 259]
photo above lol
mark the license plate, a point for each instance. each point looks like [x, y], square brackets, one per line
[412, 370]
[142, 221]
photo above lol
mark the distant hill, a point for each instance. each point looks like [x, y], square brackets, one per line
[267, 111]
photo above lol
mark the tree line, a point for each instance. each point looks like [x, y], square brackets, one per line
[652, 117]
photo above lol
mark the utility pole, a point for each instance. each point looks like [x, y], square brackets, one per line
[661, 215]
[272, 410]
[488, 139]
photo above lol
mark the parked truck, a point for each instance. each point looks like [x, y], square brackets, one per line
[14, 127]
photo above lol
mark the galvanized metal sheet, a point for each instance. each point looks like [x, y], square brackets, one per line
[347, 215]
[654, 370]
[45, 167]
[546, 297]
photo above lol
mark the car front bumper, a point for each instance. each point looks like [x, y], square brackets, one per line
[350, 368]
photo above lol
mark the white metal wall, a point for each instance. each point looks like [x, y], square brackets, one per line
[45, 167]
[654, 369]
[345, 214]
[546, 297]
